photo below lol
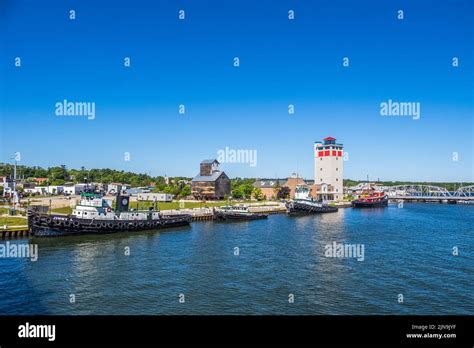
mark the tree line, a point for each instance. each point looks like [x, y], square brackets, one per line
[241, 188]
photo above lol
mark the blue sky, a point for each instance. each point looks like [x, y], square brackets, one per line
[283, 62]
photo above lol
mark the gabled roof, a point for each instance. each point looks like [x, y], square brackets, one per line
[209, 161]
[268, 183]
[329, 138]
[213, 177]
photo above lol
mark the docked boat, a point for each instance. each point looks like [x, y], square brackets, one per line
[371, 199]
[94, 215]
[238, 212]
[303, 203]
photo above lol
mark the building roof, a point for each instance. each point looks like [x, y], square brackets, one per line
[295, 180]
[209, 161]
[268, 183]
[329, 138]
[213, 177]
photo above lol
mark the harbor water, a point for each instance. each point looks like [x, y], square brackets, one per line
[417, 259]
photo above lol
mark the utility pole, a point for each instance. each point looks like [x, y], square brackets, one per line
[14, 194]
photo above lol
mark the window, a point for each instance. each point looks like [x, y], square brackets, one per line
[321, 169]
[321, 179]
[337, 179]
[337, 168]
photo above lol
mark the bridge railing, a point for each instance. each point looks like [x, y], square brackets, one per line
[427, 191]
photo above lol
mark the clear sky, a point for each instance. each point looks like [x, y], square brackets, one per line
[282, 62]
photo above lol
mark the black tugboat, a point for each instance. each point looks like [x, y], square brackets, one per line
[303, 204]
[94, 215]
[236, 213]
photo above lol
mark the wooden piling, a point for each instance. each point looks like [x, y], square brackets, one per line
[6, 234]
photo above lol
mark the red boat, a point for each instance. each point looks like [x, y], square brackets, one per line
[371, 200]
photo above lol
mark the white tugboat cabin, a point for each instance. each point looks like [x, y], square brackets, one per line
[95, 207]
[303, 192]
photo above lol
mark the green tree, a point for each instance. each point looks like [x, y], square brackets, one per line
[185, 191]
[284, 193]
[258, 194]
[237, 193]
[57, 174]
[247, 190]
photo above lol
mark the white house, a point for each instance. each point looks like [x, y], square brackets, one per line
[69, 190]
[40, 190]
[55, 189]
[3, 181]
[155, 197]
[114, 187]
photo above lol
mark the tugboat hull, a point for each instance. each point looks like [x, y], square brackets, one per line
[42, 225]
[224, 216]
[378, 204]
[304, 208]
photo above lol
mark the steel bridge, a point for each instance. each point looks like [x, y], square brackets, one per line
[429, 193]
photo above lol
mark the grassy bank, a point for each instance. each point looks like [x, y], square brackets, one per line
[13, 221]
[63, 210]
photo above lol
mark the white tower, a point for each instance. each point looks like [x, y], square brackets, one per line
[328, 166]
